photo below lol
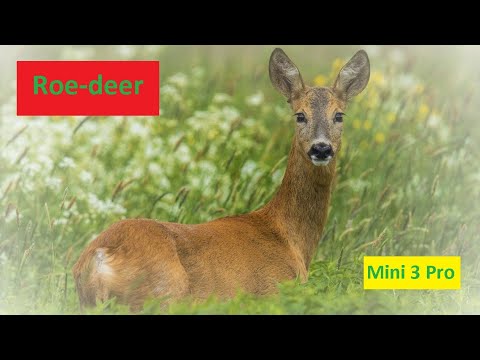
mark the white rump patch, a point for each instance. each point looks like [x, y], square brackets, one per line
[101, 262]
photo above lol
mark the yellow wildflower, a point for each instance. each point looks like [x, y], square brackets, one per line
[423, 111]
[377, 78]
[363, 145]
[337, 65]
[212, 134]
[419, 88]
[357, 124]
[320, 80]
[391, 117]
[379, 138]
[367, 125]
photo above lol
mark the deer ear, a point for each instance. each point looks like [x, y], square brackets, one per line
[353, 77]
[284, 75]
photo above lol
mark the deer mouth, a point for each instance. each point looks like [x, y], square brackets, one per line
[320, 162]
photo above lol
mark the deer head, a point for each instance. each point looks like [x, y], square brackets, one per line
[319, 110]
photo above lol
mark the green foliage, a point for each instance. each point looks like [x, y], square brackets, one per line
[408, 183]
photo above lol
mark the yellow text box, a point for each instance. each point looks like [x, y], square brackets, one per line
[411, 272]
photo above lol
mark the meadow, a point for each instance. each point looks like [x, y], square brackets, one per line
[408, 175]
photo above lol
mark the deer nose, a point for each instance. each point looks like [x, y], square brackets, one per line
[321, 151]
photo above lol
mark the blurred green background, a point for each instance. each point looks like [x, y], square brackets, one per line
[408, 175]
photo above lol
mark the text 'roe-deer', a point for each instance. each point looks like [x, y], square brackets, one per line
[140, 258]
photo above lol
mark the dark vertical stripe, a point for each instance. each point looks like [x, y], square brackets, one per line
[319, 105]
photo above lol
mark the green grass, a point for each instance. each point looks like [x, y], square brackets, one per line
[408, 178]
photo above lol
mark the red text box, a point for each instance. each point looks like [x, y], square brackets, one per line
[63, 88]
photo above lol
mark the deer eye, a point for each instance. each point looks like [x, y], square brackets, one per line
[339, 117]
[301, 118]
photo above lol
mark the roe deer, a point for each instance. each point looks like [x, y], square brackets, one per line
[137, 258]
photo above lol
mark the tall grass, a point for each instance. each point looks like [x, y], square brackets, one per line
[408, 177]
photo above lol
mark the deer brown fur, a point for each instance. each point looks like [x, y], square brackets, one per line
[139, 258]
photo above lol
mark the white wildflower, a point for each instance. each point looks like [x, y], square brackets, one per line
[70, 212]
[45, 160]
[94, 202]
[195, 182]
[170, 92]
[28, 185]
[406, 81]
[174, 139]
[86, 176]
[180, 80]
[153, 148]
[255, 99]
[154, 168]
[92, 127]
[220, 98]
[164, 183]
[433, 120]
[138, 128]
[207, 167]
[137, 173]
[358, 185]
[249, 168]
[200, 119]
[11, 216]
[3, 258]
[105, 207]
[97, 140]
[183, 153]
[117, 209]
[66, 162]
[53, 183]
[230, 113]
[32, 168]
[61, 128]
[61, 221]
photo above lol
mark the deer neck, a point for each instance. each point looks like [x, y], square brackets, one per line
[299, 208]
